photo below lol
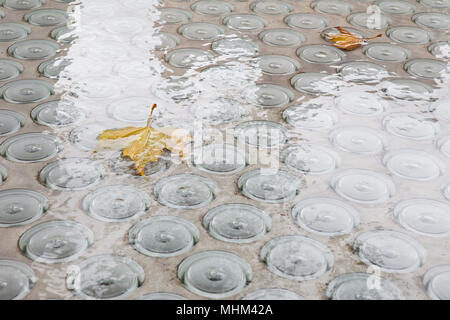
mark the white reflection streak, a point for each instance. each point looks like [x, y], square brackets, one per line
[105, 65]
[115, 57]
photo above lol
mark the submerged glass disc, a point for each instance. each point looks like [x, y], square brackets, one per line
[360, 140]
[319, 53]
[26, 91]
[57, 113]
[271, 7]
[106, 277]
[9, 69]
[413, 164]
[436, 282]
[21, 206]
[271, 187]
[46, 17]
[282, 37]
[362, 286]
[237, 223]
[261, 134]
[386, 52]
[361, 104]
[161, 296]
[391, 251]
[245, 22]
[22, 4]
[409, 35]
[363, 186]
[31, 147]
[13, 31]
[424, 216]
[297, 257]
[56, 241]
[116, 203]
[212, 7]
[71, 174]
[10, 122]
[220, 159]
[310, 159]
[201, 31]
[163, 236]
[185, 191]
[214, 274]
[306, 21]
[369, 20]
[16, 280]
[272, 294]
[325, 216]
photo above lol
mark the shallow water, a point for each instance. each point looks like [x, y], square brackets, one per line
[291, 136]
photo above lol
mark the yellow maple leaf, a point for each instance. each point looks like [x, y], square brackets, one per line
[145, 144]
[346, 40]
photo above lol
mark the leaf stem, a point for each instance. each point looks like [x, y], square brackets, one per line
[377, 36]
[149, 121]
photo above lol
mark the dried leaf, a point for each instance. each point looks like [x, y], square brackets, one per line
[146, 144]
[346, 40]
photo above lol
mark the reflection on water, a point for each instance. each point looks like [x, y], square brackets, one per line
[121, 60]
[259, 86]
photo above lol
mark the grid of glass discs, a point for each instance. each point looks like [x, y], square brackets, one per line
[363, 139]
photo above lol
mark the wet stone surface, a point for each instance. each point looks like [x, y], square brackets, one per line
[315, 172]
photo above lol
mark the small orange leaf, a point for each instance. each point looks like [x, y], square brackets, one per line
[346, 40]
[148, 143]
